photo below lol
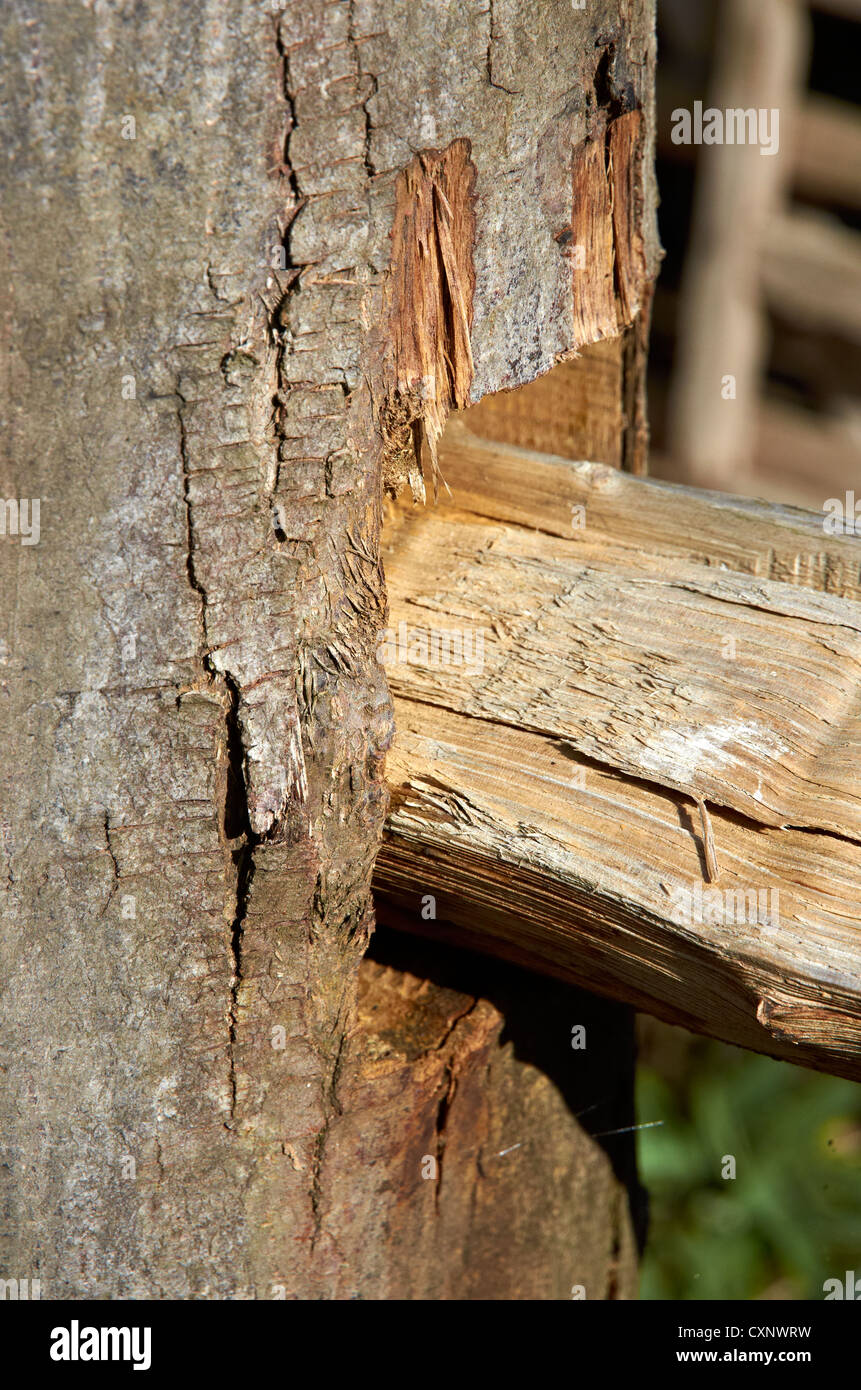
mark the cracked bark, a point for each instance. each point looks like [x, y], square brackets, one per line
[192, 644]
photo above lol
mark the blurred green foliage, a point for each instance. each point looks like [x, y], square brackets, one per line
[791, 1218]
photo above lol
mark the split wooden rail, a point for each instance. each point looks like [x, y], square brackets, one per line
[629, 737]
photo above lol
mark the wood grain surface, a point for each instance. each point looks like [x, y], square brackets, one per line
[673, 648]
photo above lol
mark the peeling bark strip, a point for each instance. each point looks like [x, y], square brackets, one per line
[606, 241]
[429, 366]
[625, 174]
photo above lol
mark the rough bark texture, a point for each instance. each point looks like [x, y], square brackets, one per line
[198, 205]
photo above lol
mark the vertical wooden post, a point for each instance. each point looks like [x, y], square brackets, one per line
[198, 230]
[721, 347]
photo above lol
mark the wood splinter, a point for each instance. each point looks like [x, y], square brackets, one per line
[712, 869]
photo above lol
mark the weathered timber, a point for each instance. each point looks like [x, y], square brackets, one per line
[812, 273]
[469, 1103]
[743, 691]
[592, 504]
[760, 57]
[206, 388]
[548, 788]
[589, 406]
